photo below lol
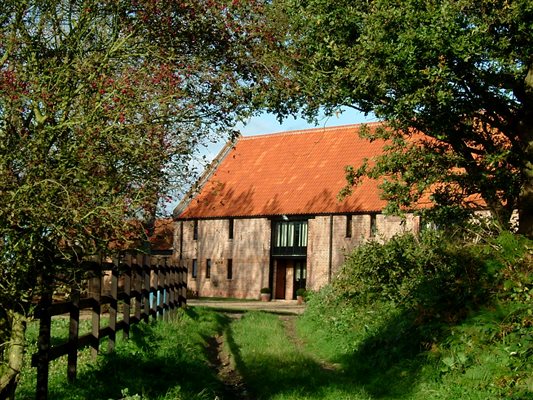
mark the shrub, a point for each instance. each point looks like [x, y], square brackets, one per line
[265, 290]
[426, 273]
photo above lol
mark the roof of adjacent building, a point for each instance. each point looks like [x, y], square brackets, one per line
[162, 235]
[296, 172]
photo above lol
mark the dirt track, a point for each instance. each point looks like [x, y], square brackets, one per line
[222, 362]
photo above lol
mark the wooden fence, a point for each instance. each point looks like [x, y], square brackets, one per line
[143, 286]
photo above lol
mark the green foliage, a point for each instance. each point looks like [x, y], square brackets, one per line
[423, 317]
[103, 108]
[406, 270]
[103, 105]
[457, 72]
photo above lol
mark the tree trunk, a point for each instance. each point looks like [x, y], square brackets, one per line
[525, 201]
[12, 356]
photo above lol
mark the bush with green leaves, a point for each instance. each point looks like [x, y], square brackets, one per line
[425, 273]
[453, 316]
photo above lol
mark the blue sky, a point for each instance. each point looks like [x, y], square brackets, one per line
[267, 123]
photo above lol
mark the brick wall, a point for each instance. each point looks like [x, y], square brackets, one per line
[363, 228]
[249, 251]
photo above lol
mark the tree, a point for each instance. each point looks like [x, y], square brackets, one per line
[102, 105]
[460, 72]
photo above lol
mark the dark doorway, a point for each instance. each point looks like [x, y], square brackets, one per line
[300, 276]
[290, 275]
[281, 279]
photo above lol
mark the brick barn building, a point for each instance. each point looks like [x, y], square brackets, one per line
[266, 214]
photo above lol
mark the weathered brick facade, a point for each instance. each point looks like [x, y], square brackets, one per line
[279, 193]
[248, 250]
[252, 265]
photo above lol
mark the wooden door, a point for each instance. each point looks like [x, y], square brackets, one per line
[281, 280]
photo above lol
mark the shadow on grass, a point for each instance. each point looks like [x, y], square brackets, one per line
[150, 366]
[269, 376]
[386, 365]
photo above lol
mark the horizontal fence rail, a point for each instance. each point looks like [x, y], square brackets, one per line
[144, 286]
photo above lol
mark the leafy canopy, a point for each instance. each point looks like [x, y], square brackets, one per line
[457, 71]
[102, 106]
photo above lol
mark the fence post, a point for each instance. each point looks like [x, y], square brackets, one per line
[182, 300]
[154, 281]
[171, 287]
[95, 287]
[113, 307]
[166, 286]
[146, 290]
[74, 325]
[43, 346]
[127, 296]
[160, 287]
[137, 284]
[177, 287]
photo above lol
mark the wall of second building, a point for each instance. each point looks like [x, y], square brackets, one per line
[329, 244]
[248, 250]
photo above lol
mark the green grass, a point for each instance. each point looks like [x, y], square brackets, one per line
[162, 360]
[278, 368]
[473, 359]
[460, 326]
[469, 337]
[464, 331]
[486, 356]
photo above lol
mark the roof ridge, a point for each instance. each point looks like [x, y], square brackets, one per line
[277, 175]
[310, 130]
[203, 178]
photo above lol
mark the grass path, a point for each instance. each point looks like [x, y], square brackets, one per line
[203, 354]
[275, 364]
[221, 361]
[163, 360]
[289, 324]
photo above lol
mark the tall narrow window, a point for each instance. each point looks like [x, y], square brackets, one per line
[231, 227]
[194, 268]
[195, 230]
[230, 269]
[348, 226]
[208, 268]
[373, 225]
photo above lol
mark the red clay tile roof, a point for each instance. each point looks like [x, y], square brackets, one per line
[299, 172]
[162, 235]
